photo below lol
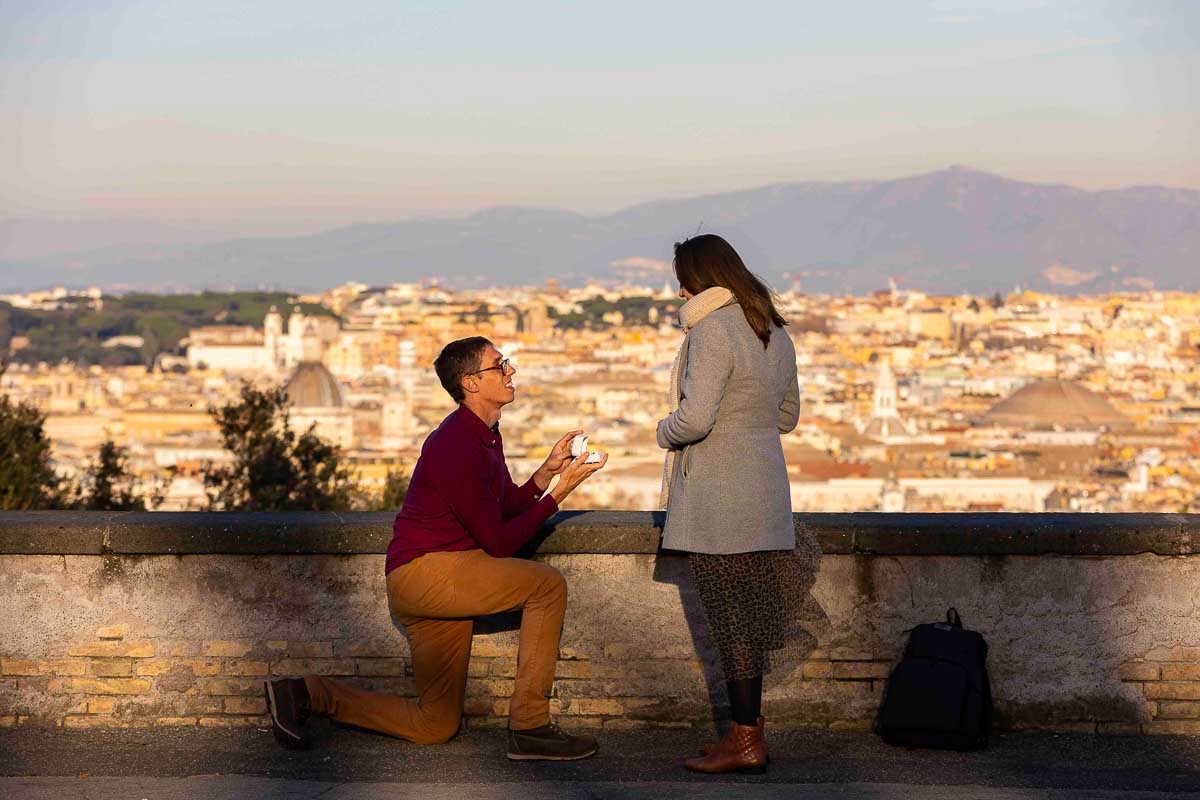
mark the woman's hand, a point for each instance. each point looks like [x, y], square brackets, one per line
[575, 473]
[556, 462]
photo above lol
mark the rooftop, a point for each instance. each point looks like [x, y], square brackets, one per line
[1056, 403]
[312, 385]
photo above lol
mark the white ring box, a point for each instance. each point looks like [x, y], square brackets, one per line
[579, 446]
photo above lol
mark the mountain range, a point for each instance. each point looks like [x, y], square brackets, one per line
[951, 231]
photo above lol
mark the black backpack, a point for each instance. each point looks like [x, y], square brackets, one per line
[939, 694]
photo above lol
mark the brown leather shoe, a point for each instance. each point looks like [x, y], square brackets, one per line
[290, 707]
[744, 749]
[708, 748]
[549, 743]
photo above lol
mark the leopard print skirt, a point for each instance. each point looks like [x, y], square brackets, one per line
[761, 615]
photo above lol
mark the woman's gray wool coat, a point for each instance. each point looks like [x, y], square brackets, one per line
[730, 491]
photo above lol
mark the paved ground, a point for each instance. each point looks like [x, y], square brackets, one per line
[220, 764]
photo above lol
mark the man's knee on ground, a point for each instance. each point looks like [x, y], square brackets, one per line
[440, 729]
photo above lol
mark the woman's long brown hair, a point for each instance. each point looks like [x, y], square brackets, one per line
[705, 261]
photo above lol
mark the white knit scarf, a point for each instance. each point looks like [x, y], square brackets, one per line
[691, 312]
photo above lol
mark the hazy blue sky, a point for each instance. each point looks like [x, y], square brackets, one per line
[286, 116]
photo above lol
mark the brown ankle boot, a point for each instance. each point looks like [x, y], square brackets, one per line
[708, 748]
[744, 749]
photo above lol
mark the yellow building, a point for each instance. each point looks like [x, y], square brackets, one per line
[81, 430]
[152, 424]
[354, 353]
[930, 323]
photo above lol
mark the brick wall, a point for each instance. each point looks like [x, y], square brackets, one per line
[116, 682]
[1169, 680]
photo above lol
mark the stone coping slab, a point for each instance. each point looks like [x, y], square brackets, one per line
[593, 532]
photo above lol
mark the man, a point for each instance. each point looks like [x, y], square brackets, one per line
[449, 561]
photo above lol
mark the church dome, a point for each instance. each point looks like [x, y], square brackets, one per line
[313, 386]
[1055, 403]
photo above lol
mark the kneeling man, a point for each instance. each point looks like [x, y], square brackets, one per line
[449, 561]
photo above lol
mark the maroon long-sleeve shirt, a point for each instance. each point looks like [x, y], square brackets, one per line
[461, 496]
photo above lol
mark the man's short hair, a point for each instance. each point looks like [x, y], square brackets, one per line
[457, 360]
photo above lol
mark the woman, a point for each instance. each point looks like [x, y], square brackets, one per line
[725, 483]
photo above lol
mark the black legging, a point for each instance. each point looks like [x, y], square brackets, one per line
[745, 700]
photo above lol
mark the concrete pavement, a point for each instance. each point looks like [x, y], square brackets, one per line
[243, 788]
[167, 764]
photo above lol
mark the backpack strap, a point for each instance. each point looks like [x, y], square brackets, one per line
[952, 617]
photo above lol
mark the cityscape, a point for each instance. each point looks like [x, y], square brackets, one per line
[911, 402]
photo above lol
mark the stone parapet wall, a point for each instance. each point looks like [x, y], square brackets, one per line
[175, 619]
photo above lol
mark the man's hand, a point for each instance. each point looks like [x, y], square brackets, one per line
[577, 471]
[556, 462]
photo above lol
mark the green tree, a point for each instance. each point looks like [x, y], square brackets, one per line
[6, 328]
[395, 487]
[108, 486]
[27, 476]
[273, 468]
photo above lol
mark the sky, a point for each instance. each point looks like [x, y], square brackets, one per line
[288, 116]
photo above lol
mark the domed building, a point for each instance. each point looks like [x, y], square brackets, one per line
[1055, 404]
[312, 385]
[317, 397]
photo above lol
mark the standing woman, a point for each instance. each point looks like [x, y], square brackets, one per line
[725, 483]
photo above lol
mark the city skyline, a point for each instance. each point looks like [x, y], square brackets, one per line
[1026, 402]
[273, 120]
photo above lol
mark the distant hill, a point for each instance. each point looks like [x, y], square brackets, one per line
[23, 239]
[956, 230]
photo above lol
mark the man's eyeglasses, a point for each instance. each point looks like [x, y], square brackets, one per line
[502, 366]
